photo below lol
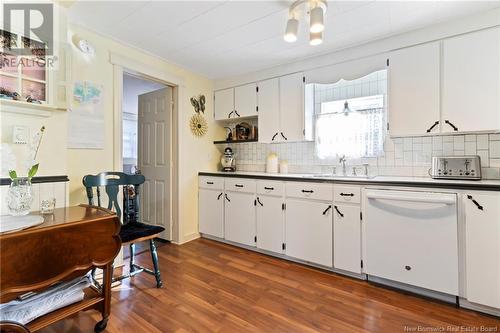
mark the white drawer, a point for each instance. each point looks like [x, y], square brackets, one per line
[216, 183]
[347, 193]
[269, 187]
[240, 185]
[309, 191]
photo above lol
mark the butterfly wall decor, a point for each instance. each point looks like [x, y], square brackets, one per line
[198, 104]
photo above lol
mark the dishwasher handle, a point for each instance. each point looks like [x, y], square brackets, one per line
[387, 196]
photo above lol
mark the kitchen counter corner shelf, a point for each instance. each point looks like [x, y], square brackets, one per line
[234, 141]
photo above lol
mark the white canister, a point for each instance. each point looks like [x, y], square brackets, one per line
[272, 163]
[284, 166]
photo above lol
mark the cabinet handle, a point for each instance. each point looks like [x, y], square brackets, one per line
[274, 136]
[408, 268]
[327, 209]
[260, 203]
[432, 127]
[284, 137]
[225, 195]
[237, 113]
[338, 211]
[475, 202]
[453, 126]
[230, 113]
[210, 183]
[220, 195]
[238, 185]
[347, 194]
[307, 191]
[269, 188]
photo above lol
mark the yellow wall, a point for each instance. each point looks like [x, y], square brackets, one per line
[195, 154]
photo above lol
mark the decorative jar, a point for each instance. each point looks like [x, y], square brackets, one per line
[20, 196]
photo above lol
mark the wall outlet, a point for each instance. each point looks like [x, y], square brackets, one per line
[20, 135]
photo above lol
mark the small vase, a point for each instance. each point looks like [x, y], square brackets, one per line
[20, 196]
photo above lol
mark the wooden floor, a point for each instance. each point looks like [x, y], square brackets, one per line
[212, 287]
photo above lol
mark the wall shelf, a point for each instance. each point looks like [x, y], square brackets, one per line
[234, 141]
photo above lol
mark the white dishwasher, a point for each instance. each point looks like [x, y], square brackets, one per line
[411, 237]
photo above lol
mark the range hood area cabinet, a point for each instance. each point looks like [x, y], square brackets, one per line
[281, 109]
[446, 86]
[237, 102]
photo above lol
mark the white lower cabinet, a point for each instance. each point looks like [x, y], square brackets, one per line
[309, 231]
[239, 217]
[482, 212]
[347, 238]
[270, 223]
[211, 212]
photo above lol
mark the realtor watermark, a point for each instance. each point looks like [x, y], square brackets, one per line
[451, 328]
[27, 36]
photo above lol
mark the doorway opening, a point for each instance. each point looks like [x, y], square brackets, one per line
[147, 140]
[133, 87]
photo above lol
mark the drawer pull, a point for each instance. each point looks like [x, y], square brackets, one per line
[327, 209]
[307, 191]
[269, 188]
[408, 268]
[220, 195]
[210, 183]
[347, 194]
[239, 185]
[338, 211]
[475, 202]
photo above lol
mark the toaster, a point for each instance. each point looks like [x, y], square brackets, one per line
[456, 167]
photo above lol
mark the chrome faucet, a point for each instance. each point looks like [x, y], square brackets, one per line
[343, 161]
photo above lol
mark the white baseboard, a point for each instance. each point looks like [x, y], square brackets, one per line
[187, 238]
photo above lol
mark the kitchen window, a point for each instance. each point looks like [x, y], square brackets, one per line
[22, 77]
[350, 117]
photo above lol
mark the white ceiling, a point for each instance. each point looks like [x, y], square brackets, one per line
[225, 38]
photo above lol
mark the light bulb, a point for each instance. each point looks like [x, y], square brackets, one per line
[292, 27]
[317, 20]
[315, 38]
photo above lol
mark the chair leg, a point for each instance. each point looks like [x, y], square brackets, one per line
[132, 257]
[154, 256]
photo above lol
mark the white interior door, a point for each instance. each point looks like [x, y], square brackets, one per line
[154, 156]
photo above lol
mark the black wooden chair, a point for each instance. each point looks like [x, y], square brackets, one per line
[132, 230]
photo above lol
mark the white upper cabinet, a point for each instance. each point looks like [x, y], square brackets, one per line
[245, 101]
[414, 87]
[471, 82]
[269, 110]
[292, 107]
[224, 104]
[482, 246]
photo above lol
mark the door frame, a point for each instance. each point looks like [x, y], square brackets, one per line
[123, 65]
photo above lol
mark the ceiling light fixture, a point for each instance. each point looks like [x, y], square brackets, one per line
[292, 28]
[315, 38]
[314, 10]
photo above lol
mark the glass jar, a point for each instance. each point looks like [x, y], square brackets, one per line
[20, 196]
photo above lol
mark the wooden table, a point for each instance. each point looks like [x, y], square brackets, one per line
[66, 245]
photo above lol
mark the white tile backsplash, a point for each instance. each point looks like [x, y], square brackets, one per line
[402, 156]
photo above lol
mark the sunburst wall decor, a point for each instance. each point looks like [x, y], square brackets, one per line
[198, 125]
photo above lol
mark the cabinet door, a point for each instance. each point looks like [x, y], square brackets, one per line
[245, 100]
[211, 212]
[309, 231]
[224, 104]
[269, 111]
[270, 223]
[483, 248]
[471, 75]
[292, 107]
[347, 238]
[414, 90]
[239, 218]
